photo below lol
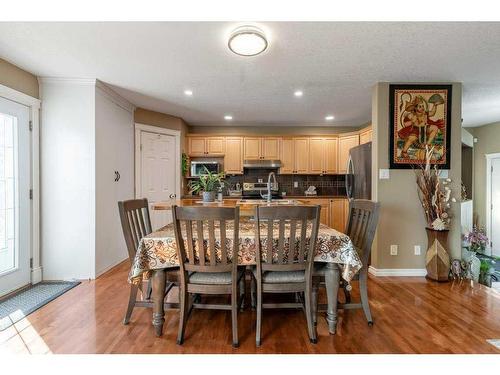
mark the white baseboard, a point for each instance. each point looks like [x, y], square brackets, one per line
[106, 269]
[397, 271]
[36, 275]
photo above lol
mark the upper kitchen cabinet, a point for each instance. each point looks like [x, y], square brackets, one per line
[301, 155]
[295, 155]
[346, 142]
[264, 148]
[323, 155]
[233, 159]
[287, 156]
[206, 146]
[365, 135]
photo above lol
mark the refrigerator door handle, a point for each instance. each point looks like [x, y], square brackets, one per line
[350, 170]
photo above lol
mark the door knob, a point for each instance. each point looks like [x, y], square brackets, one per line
[173, 195]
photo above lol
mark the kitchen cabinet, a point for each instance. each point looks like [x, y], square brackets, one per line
[206, 146]
[233, 158]
[294, 155]
[365, 135]
[270, 148]
[323, 155]
[301, 155]
[263, 148]
[345, 144]
[325, 208]
[339, 208]
[287, 156]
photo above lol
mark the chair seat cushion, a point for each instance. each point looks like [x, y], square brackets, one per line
[213, 278]
[277, 277]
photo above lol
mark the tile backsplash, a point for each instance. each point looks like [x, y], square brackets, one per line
[325, 185]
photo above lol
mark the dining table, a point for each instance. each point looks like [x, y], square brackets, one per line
[157, 252]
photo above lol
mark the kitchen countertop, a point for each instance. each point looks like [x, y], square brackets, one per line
[285, 197]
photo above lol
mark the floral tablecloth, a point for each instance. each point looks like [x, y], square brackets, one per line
[158, 250]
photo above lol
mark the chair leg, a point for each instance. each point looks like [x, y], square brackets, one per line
[315, 303]
[259, 315]
[253, 287]
[242, 292]
[309, 318]
[234, 315]
[131, 303]
[347, 294]
[183, 313]
[363, 291]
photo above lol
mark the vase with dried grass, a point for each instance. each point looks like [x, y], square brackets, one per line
[435, 196]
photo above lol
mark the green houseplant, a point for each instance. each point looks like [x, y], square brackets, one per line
[207, 184]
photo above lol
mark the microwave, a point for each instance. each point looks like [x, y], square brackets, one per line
[198, 167]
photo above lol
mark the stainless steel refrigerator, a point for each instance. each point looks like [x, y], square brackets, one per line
[358, 180]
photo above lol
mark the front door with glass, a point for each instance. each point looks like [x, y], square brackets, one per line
[15, 172]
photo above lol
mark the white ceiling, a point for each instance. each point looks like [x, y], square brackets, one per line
[335, 64]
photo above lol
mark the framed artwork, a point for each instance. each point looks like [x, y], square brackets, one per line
[419, 115]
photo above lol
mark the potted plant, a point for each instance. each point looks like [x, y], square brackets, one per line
[435, 195]
[207, 184]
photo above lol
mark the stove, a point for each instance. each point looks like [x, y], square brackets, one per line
[253, 190]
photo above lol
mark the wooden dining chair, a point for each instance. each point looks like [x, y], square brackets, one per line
[136, 224]
[210, 263]
[285, 263]
[361, 226]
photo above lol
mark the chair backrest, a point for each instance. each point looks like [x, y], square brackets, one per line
[207, 251]
[294, 245]
[136, 223]
[361, 225]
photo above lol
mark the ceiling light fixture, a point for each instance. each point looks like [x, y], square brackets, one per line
[298, 93]
[329, 118]
[188, 92]
[228, 117]
[247, 41]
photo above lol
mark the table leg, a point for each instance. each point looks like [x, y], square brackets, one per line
[332, 281]
[159, 284]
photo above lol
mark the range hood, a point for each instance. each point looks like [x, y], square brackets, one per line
[261, 164]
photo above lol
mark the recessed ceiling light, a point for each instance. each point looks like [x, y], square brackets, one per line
[228, 117]
[329, 118]
[188, 92]
[298, 93]
[247, 41]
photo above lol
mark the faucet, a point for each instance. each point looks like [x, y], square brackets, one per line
[269, 185]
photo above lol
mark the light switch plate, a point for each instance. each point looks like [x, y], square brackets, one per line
[295, 184]
[383, 174]
[417, 250]
[394, 249]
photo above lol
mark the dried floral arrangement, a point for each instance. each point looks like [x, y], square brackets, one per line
[434, 193]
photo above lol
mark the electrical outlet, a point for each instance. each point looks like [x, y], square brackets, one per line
[394, 249]
[417, 249]
[295, 184]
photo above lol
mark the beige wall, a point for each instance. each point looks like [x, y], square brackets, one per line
[488, 142]
[18, 79]
[401, 219]
[162, 120]
[274, 130]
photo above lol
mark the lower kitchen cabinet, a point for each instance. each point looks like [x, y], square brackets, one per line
[325, 208]
[339, 208]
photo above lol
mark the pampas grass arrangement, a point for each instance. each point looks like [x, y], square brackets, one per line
[434, 193]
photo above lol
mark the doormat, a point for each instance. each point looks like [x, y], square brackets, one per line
[20, 304]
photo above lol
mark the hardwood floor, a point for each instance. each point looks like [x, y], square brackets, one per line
[412, 315]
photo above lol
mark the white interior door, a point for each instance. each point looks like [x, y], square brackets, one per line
[15, 183]
[158, 173]
[495, 207]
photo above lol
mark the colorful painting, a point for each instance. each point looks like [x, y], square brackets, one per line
[419, 117]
